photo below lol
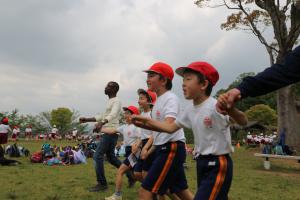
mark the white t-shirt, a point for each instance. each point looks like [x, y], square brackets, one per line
[4, 128]
[167, 105]
[112, 113]
[74, 133]
[130, 133]
[145, 134]
[28, 130]
[54, 130]
[211, 129]
[15, 131]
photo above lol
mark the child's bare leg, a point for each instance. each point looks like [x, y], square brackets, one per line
[185, 194]
[121, 171]
[145, 194]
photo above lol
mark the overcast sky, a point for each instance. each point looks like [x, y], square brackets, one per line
[61, 53]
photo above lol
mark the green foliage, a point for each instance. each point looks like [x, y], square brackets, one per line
[262, 113]
[37, 181]
[62, 118]
[65, 120]
[15, 118]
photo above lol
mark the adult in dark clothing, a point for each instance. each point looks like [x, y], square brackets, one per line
[271, 79]
[109, 119]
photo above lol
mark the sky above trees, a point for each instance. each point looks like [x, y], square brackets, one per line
[62, 53]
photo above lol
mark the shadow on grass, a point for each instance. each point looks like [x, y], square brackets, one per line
[12, 195]
[55, 197]
[278, 169]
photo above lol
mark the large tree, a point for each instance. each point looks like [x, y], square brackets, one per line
[283, 18]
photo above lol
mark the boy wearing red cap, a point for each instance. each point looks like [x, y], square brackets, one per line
[210, 128]
[146, 101]
[166, 171]
[131, 135]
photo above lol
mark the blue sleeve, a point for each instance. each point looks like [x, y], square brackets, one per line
[274, 77]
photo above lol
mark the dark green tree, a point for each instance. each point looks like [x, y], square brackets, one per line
[262, 113]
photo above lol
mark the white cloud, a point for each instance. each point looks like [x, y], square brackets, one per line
[62, 53]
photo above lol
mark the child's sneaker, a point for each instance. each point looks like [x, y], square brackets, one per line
[113, 197]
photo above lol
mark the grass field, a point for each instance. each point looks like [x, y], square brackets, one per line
[36, 181]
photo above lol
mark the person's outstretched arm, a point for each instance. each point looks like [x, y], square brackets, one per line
[271, 79]
[274, 77]
[109, 130]
[167, 126]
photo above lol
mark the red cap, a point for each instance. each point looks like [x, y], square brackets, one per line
[162, 68]
[5, 120]
[149, 93]
[204, 68]
[132, 109]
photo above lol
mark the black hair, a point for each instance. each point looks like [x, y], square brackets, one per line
[169, 82]
[115, 86]
[147, 96]
[201, 79]
[149, 99]
[126, 109]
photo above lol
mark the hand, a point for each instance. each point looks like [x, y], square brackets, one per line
[138, 120]
[134, 148]
[226, 101]
[144, 154]
[221, 105]
[98, 127]
[82, 120]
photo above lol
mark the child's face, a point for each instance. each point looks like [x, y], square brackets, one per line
[191, 87]
[153, 81]
[143, 101]
[127, 115]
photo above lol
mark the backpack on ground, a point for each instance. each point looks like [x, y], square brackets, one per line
[13, 151]
[37, 157]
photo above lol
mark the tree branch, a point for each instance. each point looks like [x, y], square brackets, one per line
[255, 30]
[231, 8]
[285, 8]
[295, 28]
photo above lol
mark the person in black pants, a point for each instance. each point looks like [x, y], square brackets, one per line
[109, 119]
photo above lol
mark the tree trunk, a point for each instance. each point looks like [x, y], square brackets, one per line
[288, 117]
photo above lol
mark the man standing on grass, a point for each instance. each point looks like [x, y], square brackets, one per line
[108, 119]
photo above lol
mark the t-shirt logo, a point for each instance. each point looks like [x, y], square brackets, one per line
[158, 114]
[129, 133]
[207, 122]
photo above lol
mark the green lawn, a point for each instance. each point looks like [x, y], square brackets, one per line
[36, 181]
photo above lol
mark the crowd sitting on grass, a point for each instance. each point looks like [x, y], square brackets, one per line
[55, 155]
[253, 139]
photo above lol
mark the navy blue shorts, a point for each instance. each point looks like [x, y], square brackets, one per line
[144, 165]
[127, 153]
[167, 170]
[214, 176]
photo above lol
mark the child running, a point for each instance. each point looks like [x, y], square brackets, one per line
[210, 128]
[131, 135]
[146, 101]
[167, 171]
